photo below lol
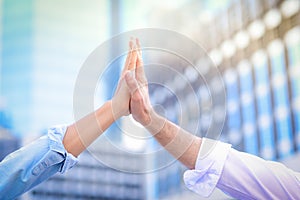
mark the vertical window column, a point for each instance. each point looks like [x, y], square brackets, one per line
[281, 98]
[264, 105]
[248, 107]
[233, 113]
[292, 40]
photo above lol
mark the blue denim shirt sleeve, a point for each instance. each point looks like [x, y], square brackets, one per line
[34, 163]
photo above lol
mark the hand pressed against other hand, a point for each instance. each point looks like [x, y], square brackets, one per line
[121, 98]
[140, 105]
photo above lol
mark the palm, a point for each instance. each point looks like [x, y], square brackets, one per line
[140, 106]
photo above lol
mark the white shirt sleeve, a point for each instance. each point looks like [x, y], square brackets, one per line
[209, 166]
[246, 176]
[240, 175]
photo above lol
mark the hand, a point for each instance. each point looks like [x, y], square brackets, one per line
[181, 144]
[121, 98]
[140, 105]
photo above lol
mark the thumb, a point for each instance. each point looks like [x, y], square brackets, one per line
[131, 81]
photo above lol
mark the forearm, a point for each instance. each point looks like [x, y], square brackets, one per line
[83, 132]
[181, 144]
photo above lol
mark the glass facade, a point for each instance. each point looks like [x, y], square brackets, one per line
[292, 40]
[233, 107]
[281, 100]
[264, 105]
[248, 107]
[44, 43]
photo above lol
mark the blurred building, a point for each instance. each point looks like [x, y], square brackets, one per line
[8, 142]
[43, 48]
[254, 44]
[92, 179]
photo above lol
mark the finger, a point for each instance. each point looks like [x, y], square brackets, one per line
[133, 59]
[139, 53]
[131, 82]
[129, 56]
[138, 44]
[140, 73]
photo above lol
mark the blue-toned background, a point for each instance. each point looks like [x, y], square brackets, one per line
[255, 44]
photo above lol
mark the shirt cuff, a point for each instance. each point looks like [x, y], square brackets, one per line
[209, 165]
[56, 135]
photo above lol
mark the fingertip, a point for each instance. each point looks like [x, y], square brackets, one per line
[139, 47]
[130, 44]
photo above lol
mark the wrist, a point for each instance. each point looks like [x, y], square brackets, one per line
[118, 109]
[155, 123]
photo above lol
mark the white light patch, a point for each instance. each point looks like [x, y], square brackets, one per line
[228, 48]
[267, 153]
[203, 65]
[256, 29]
[244, 67]
[203, 93]
[278, 80]
[259, 58]
[230, 76]
[134, 134]
[264, 121]
[246, 98]
[235, 137]
[290, 8]
[285, 146]
[292, 37]
[275, 47]
[216, 85]
[191, 74]
[219, 113]
[232, 106]
[296, 104]
[216, 56]
[272, 18]
[206, 17]
[262, 90]
[281, 112]
[294, 72]
[133, 144]
[249, 129]
[242, 39]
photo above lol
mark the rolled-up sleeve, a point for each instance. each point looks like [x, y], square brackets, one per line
[240, 175]
[209, 166]
[246, 176]
[34, 163]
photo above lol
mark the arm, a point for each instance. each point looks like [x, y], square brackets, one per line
[57, 151]
[181, 144]
[215, 163]
[83, 132]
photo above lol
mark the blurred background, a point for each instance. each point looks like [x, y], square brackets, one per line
[254, 43]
